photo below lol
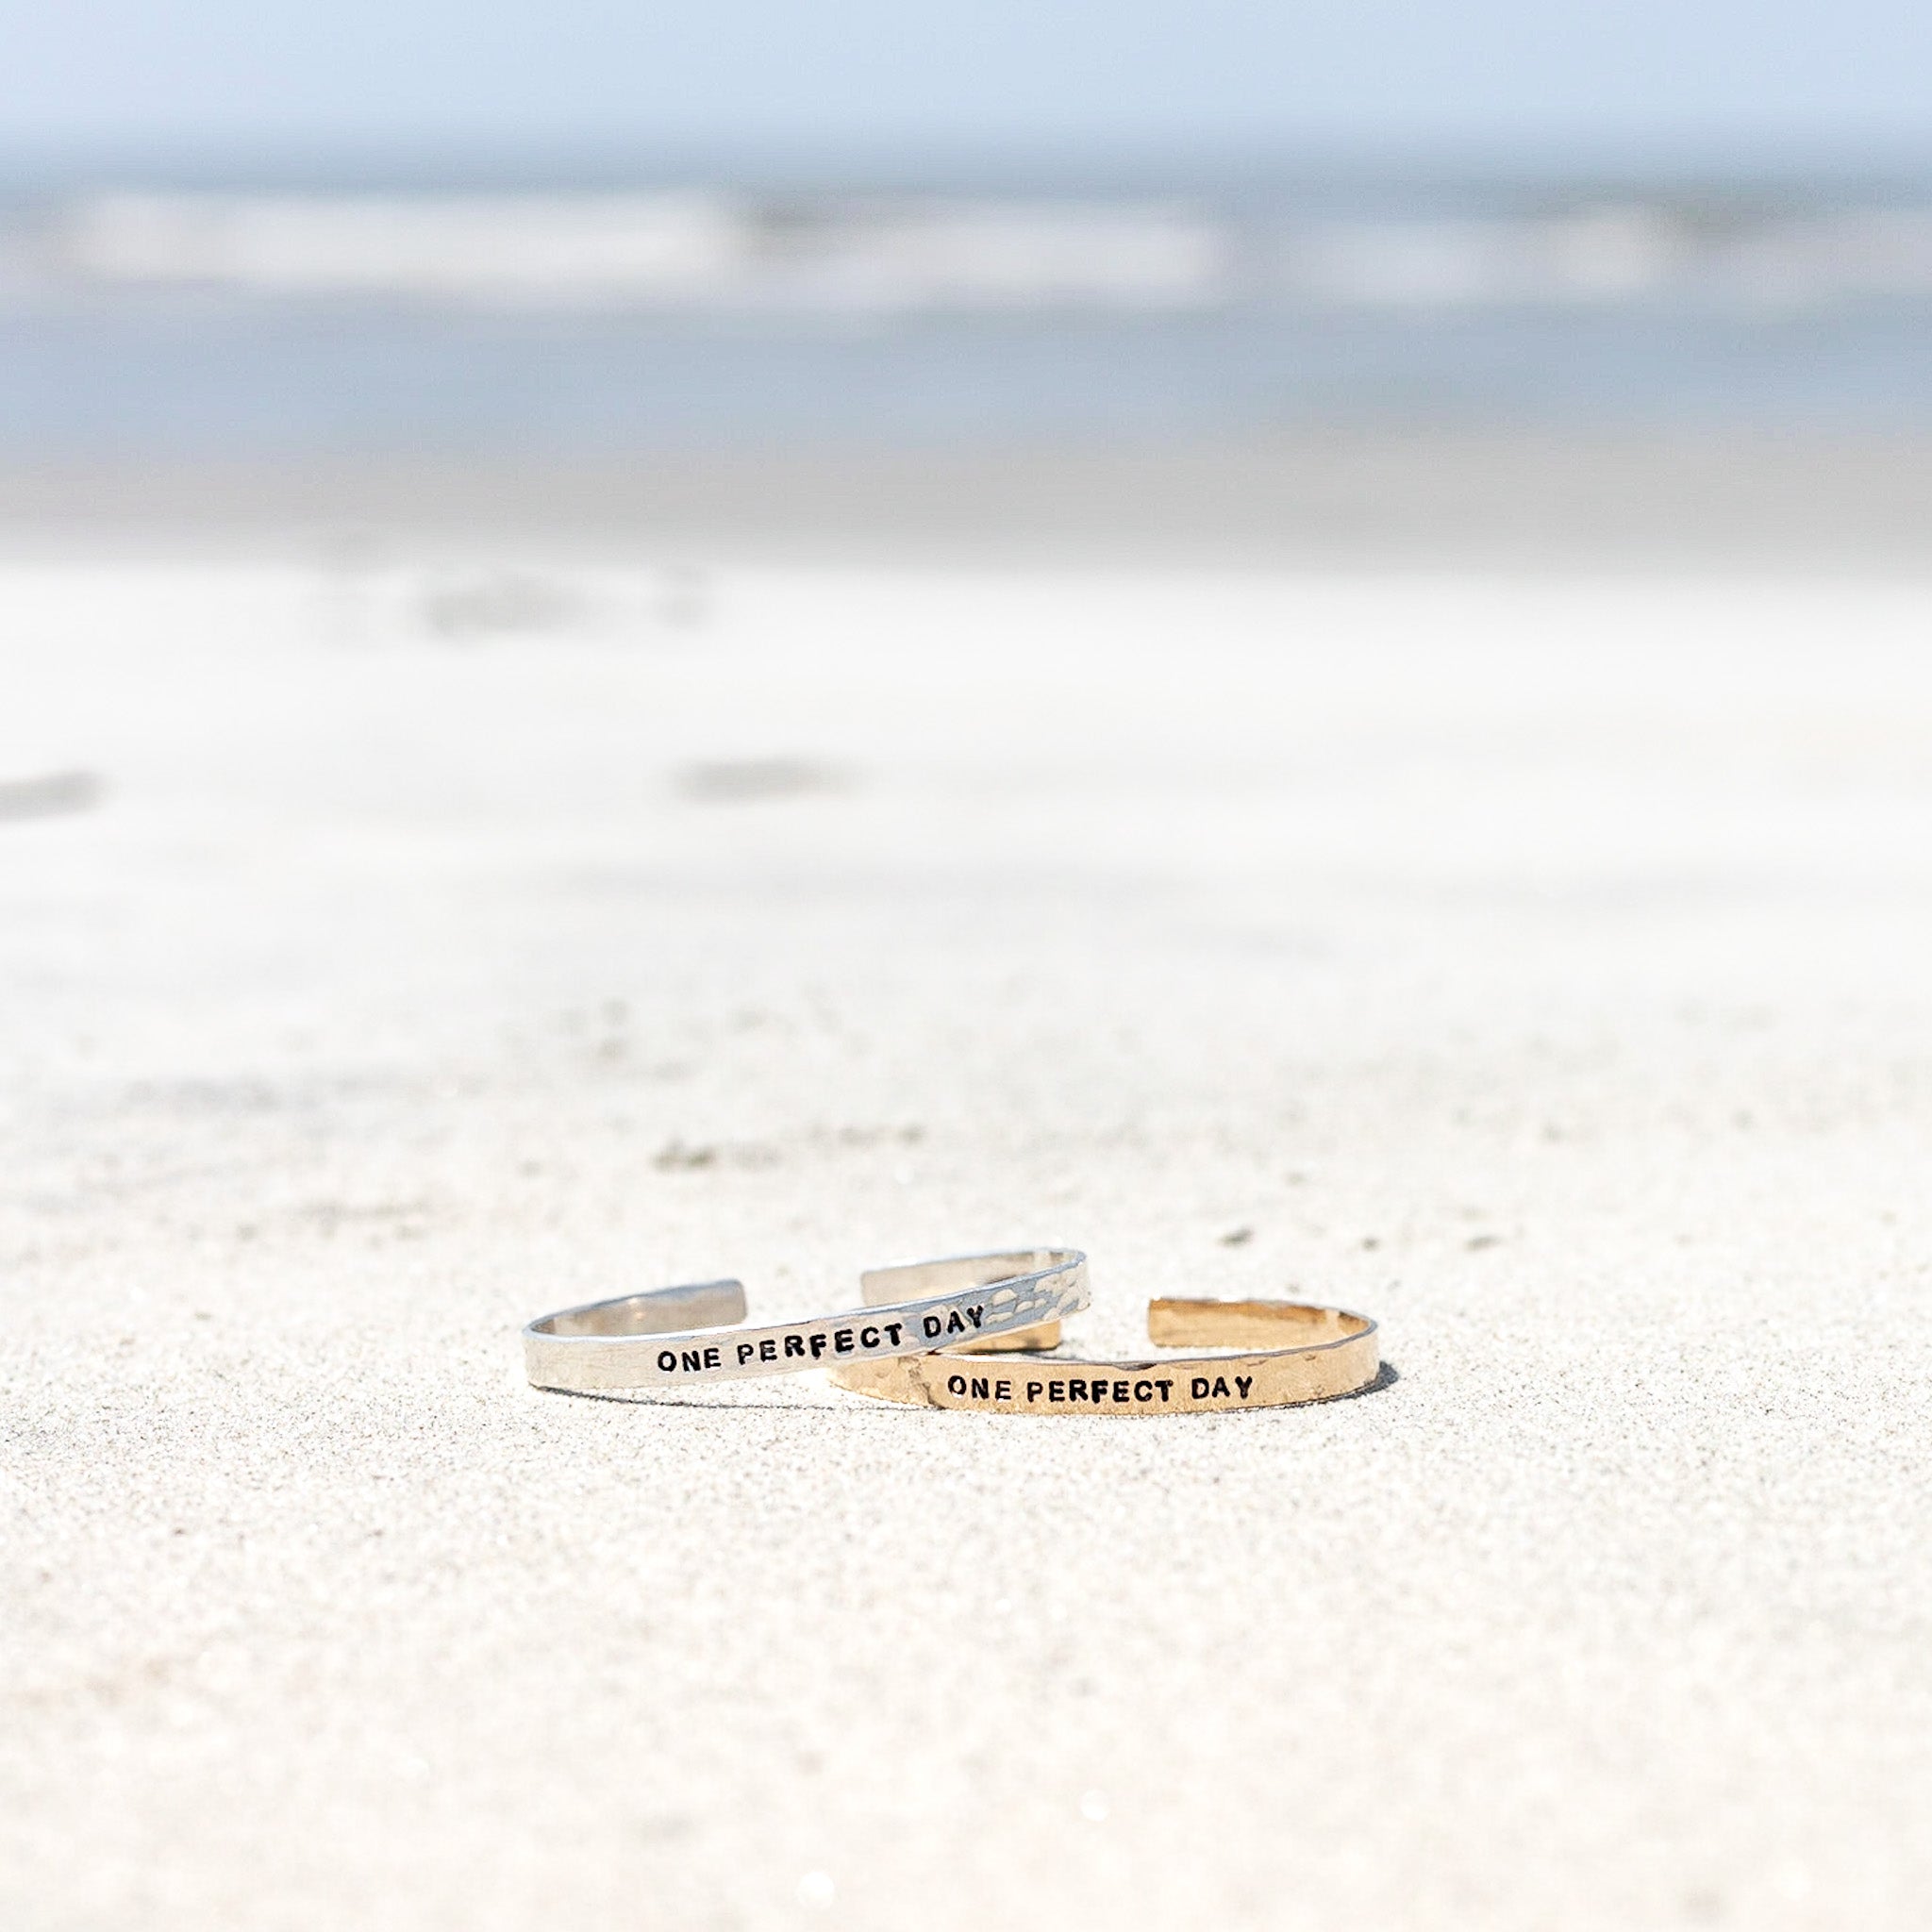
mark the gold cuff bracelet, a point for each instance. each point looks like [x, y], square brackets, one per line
[1300, 1354]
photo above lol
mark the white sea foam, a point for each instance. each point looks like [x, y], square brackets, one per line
[1610, 254]
[719, 251]
[656, 250]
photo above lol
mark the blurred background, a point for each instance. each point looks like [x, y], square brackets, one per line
[565, 238]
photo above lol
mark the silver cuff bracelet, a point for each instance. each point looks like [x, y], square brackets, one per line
[676, 1337]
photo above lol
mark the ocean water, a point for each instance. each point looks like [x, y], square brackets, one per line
[145, 316]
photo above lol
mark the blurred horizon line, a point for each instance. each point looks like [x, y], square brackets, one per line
[1646, 163]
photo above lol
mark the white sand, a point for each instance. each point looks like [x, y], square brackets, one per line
[1546, 969]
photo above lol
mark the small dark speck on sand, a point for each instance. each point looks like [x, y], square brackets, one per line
[508, 603]
[1483, 1241]
[51, 793]
[1238, 1238]
[677, 1154]
[745, 781]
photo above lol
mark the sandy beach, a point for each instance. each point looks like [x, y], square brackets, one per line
[409, 923]
[1482, 499]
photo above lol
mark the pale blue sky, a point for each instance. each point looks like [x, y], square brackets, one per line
[1846, 74]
